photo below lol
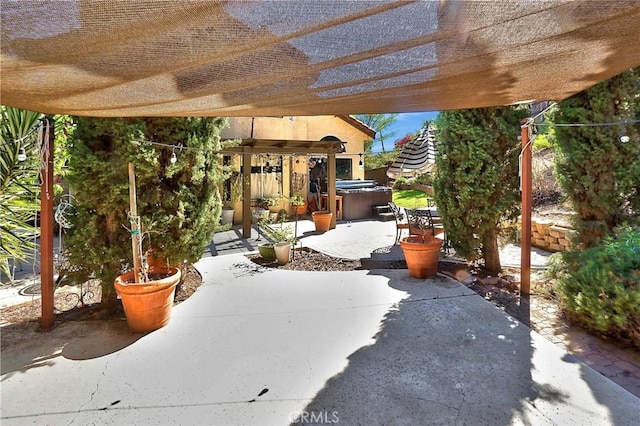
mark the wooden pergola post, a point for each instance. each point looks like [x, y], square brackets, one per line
[46, 224]
[246, 192]
[525, 237]
[331, 186]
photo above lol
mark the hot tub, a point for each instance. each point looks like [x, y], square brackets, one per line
[358, 201]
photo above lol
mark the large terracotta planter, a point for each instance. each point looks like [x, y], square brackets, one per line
[421, 255]
[322, 220]
[147, 306]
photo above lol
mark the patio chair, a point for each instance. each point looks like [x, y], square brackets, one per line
[427, 222]
[420, 222]
[401, 223]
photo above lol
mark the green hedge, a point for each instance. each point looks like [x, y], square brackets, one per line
[600, 287]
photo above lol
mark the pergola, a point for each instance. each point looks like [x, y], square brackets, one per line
[250, 147]
[286, 58]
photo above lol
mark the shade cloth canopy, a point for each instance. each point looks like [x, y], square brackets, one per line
[181, 58]
[418, 156]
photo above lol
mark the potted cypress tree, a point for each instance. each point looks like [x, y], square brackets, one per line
[177, 199]
[147, 291]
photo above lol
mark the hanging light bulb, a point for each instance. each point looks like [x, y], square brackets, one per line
[360, 163]
[22, 155]
[174, 158]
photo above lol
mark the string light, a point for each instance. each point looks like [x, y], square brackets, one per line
[174, 157]
[22, 155]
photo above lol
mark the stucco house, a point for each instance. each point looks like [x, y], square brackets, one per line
[281, 172]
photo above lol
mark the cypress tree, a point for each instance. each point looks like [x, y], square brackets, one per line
[179, 203]
[476, 182]
[599, 172]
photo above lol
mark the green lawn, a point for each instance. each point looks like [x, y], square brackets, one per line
[410, 198]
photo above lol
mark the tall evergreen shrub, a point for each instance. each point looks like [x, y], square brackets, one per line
[476, 183]
[179, 203]
[599, 173]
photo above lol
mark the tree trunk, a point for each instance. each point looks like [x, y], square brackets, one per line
[490, 251]
[109, 299]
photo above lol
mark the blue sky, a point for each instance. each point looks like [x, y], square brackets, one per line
[405, 123]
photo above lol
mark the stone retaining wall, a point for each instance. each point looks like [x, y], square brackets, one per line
[548, 236]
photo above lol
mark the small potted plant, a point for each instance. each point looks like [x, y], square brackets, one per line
[297, 201]
[282, 240]
[236, 194]
[322, 220]
[228, 212]
[421, 249]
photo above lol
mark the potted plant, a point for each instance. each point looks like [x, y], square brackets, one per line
[282, 240]
[177, 194]
[236, 194]
[421, 249]
[147, 291]
[274, 207]
[322, 220]
[227, 215]
[297, 201]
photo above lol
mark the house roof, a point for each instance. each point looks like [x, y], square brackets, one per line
[359, 125]
[212, 57]
[417, 156]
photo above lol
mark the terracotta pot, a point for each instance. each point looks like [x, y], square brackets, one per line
[283, 252]
[148, 305]
[301, 209]
[267, 251]
[421, 255]
[322, 220]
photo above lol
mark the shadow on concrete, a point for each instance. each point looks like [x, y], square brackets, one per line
[81, 340]
[109, 337]
[443, 356]
[440, 357]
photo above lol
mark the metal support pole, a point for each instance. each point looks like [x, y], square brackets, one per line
[46, 224]
[525, 238]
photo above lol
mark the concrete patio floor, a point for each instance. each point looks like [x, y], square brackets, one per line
[264, 346]
[257, 345]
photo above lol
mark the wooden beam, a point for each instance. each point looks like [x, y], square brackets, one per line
[525, 237]
[46, 225]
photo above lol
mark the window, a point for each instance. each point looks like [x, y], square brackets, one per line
[344, 168]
